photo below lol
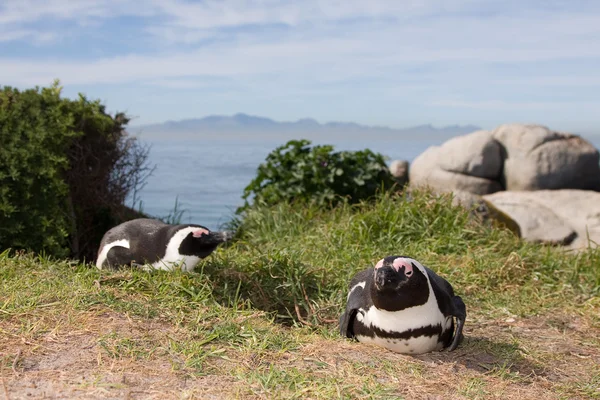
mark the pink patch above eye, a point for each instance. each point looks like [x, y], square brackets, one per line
[200, 232]
[402, 262]
[379, 264]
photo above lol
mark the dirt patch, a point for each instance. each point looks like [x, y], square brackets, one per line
[530, 358]
[115, 357]
[432, 376]
[86, 364]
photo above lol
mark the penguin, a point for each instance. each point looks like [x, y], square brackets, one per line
[403, 306]
[153, 244]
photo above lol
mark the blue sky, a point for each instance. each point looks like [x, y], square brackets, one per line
[394, 63]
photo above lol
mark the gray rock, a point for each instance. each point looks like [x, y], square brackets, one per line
[565, 217]
[399, 170]
[538, 158]
[476, 154]
[422, 166]
[537, 223]
[425, 172]
[472, 163]
[479, 208]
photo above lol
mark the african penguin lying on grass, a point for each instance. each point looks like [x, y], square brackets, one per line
[151, 242]
[403, 306]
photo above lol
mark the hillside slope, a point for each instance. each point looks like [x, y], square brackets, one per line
[258, 318]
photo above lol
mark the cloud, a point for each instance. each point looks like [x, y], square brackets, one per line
[17, 13]
[553, 81]
[216, 14]
[433, 30]
[31, 35]
[210, 13]
[195, 20]
[337, 56]
[502, 105]
[513, 52]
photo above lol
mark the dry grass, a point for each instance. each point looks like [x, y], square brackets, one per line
[58, 351]
[108, 355]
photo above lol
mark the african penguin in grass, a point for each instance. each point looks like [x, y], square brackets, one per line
[403, 306]
[157, 245]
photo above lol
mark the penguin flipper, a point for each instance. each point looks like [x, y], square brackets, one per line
[118, 256]
[346, 323]
[460, 312]
[356, 300]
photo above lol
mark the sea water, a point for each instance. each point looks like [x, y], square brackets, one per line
[207, 177]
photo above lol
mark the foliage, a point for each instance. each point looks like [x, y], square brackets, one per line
[105, 166]
[66, 167]
[298, 172]
[35, 129]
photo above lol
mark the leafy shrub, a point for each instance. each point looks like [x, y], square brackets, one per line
[66, 167]
[298, 172]
[34, 131]
[105, 166]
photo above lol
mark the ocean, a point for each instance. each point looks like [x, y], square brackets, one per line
[207, 177]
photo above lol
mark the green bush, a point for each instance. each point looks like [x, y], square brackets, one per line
[298, 172]
[34, 131]
[66, 167]
[105, 166]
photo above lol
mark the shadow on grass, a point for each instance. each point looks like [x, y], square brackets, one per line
[488, 356]
[277, 285]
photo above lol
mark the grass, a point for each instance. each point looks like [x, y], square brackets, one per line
[258, 318]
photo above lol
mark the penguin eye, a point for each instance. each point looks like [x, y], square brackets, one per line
[408, 273]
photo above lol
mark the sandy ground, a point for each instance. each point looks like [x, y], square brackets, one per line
[553, 356]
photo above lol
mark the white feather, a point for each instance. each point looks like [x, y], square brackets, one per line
[359, 284]
[415, 345]
[173, 258]
[104, 252]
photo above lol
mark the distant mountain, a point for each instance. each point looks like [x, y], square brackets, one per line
[248, 126]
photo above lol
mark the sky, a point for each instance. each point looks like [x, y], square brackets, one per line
[389, 63]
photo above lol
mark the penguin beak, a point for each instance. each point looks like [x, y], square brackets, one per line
[217, 237]
[224, 236]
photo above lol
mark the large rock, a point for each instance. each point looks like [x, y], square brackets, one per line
[471, 163]
[563, 217]
[537, 158]
[476, 154]
[540, 183]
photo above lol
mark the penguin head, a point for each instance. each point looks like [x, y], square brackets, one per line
[201, 242]
[204, 236]
[399, 282]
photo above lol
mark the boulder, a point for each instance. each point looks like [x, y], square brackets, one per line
[540, 183]
[483, 210]
[511, 157]
[471, 163]
[562, 217]
[538, 158]
[476, 154]
[537, 223]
